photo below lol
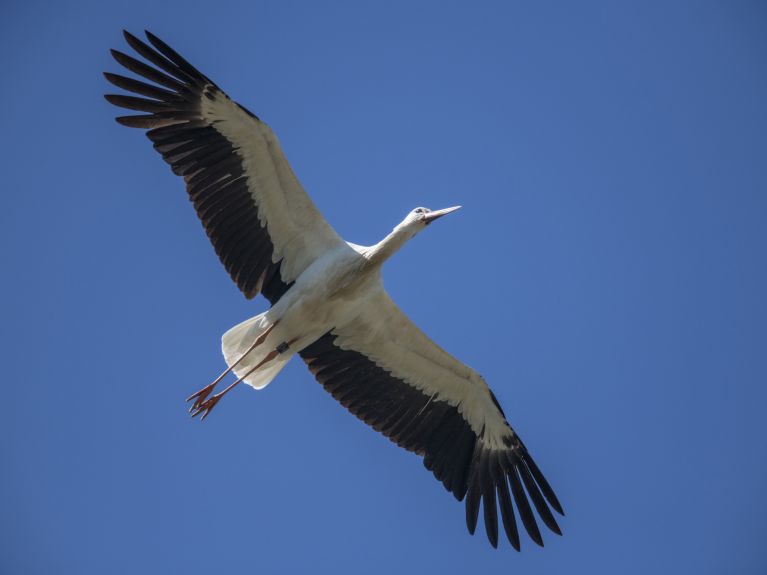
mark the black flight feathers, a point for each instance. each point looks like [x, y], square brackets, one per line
[215, 178]
[217, 183]
[437, 431]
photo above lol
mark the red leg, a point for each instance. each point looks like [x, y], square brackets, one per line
[205, 406]
[201, 395]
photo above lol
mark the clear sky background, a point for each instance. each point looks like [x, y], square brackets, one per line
[607, 275]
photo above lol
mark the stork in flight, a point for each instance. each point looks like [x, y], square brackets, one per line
[328, 301]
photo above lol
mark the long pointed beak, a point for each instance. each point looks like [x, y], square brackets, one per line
[431, 216]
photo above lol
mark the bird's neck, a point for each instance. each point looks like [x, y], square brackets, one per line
[388, 246]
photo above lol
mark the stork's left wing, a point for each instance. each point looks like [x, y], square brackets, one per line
[388, 373]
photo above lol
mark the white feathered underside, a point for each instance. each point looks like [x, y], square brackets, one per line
[237, 341]
[299, 232]
[384, 333]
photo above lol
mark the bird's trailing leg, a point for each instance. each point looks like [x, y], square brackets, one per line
[205, 406]
[202, 395]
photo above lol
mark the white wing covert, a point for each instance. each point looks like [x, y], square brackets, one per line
[388, 373]
[379, 365]
[264, 227]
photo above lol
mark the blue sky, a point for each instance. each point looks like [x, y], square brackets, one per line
[607, 276]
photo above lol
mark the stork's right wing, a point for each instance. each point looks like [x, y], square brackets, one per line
[263, 226]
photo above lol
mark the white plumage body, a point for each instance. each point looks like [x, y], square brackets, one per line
[343, 292]
[328, 293]
[328, 300]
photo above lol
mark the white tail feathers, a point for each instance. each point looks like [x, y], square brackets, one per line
[239, 339]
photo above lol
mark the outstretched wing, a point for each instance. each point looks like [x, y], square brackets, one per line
[263, 226]
[388, 373]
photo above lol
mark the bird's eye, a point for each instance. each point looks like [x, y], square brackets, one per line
[419, 210]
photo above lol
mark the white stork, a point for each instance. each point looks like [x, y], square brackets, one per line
[328, 302]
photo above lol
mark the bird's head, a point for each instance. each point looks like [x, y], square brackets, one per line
[419, 218]
[413, 223]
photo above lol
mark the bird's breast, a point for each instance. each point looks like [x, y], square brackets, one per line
[328, 292]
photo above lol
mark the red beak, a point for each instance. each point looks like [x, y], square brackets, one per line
[431, 216]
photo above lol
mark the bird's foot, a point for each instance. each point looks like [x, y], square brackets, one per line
[204, 404]
[205, 407]
[200, 396]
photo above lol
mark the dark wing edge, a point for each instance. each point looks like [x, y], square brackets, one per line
[213, 171]
[436, 430]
